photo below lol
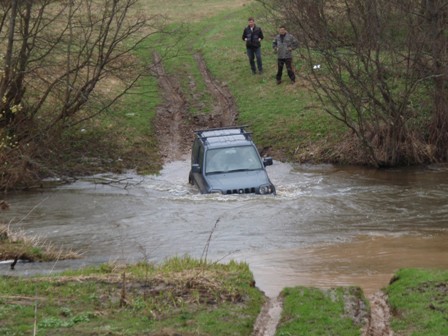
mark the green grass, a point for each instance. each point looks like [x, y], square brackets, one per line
[419, 302]
[311, 311]
[181, 295]
[136, 113]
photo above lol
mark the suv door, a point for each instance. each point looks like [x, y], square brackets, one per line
[197, 166]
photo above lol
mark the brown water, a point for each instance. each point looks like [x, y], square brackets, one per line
[327, 226]
[367, 262]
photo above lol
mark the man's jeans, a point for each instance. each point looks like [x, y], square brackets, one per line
[252, 54]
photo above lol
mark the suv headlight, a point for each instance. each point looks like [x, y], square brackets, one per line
[265, 189]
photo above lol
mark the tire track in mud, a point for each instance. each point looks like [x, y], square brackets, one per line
[267, 320]
[378, 323]
[224, 111]
[169, 126]
[173, 124]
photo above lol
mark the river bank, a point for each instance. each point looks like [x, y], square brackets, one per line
[183, 296]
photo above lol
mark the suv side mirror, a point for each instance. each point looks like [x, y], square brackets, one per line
[267, 161]
[195, 168]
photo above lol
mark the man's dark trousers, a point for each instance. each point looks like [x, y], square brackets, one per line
[288, 62]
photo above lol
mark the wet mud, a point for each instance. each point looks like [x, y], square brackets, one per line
[172, 131]
[267, 321]
[378, 322]
[225, 111]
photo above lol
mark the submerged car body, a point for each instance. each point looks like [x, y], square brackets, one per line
[226, 161]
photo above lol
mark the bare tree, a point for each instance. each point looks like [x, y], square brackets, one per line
[383, 71]
[434, 20]
[62, 62]
[58, 56]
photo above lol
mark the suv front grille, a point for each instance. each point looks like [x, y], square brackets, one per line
[240, 191]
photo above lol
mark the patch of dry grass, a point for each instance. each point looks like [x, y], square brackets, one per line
[189, 286]
[181, 296]
[16, 244]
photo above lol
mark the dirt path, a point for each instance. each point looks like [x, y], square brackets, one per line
[378, 324]
[174, 126]
[224, 111]
[267, 320]
[171, 131]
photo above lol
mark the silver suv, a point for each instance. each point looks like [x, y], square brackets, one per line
[226, 161]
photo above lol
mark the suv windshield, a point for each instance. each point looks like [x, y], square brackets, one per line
[228, 159]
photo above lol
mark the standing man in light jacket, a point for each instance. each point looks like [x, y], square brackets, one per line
[253, 35]
[284, 43]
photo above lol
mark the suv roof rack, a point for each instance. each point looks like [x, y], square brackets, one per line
[227, 132]
[221, 128]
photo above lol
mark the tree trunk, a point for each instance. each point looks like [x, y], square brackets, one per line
[6, 89]
[436, 17]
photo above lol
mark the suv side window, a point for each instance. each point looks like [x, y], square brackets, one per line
[201, 156]
[195, 151]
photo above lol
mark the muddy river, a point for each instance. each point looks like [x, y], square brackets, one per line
[327, 225]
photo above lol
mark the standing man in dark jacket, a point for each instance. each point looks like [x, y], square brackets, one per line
[284, 43]
[253, 35]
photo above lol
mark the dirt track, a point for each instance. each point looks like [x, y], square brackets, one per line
[172, 131]
[378, 324]
[174, 127]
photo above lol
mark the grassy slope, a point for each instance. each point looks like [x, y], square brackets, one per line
[188, 297]
[180, 295]
[419, 302]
